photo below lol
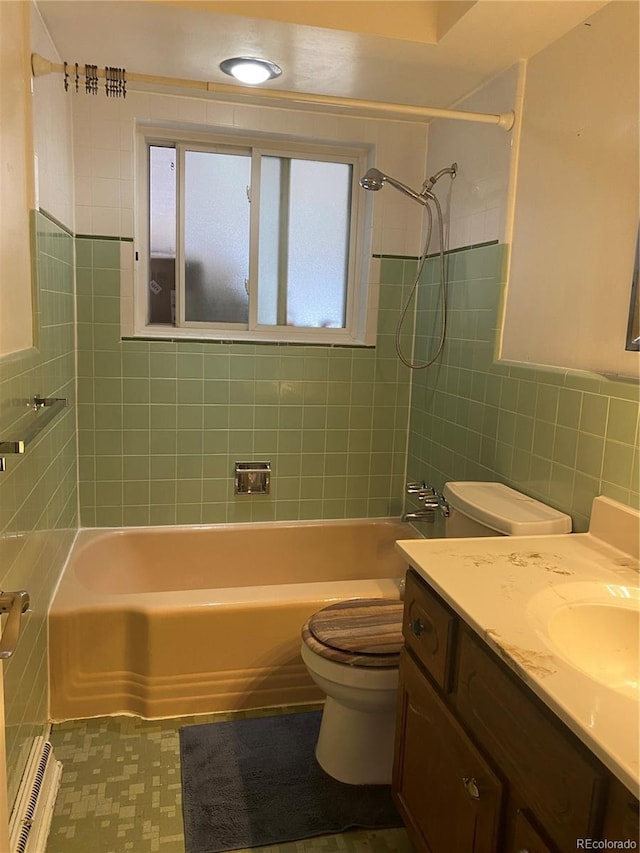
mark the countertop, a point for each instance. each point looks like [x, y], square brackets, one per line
[505, 587]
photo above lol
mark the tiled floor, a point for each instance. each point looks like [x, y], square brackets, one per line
[121, 792]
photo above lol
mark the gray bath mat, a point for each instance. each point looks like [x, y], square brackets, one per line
[249, 783]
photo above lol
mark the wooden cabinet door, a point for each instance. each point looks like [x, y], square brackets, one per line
[621, 822]
[559, 780]
[447, 793]
[526, 837]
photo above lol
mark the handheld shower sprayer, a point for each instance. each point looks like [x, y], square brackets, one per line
[374, 180]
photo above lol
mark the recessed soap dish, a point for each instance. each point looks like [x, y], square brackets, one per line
[252, 478]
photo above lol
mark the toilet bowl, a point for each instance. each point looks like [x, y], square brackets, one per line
[352, 648]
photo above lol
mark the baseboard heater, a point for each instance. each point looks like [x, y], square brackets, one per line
[31, 816]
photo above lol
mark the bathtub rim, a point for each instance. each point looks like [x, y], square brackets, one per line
[96, 532]
[329, 592]
[64, 601]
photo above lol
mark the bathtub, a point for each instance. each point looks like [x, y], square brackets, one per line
[163, 622]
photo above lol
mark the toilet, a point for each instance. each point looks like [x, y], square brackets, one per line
[352, 648]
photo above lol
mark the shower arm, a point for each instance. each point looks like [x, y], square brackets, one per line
[430, 182]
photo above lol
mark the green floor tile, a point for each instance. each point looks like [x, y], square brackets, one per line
[121, 791]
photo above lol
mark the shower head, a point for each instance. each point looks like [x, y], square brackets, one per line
[374, 180]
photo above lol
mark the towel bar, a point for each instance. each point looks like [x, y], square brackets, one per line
[15, 604]
[43, 410]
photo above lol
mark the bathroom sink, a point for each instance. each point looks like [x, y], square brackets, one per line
[596, 629]
[601, 640]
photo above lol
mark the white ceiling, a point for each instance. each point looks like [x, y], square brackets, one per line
[189, 39]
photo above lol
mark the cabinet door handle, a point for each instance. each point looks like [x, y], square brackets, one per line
[471, 787]
[417, 627]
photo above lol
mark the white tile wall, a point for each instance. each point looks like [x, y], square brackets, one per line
[475, 203]
[104, 133]
[52, 132]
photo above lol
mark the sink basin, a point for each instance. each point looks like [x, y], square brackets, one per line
[601, 640]
[596, 629]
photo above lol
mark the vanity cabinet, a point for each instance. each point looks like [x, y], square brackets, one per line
[444, 785]
[481, 764]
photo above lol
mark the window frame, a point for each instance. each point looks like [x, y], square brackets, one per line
[359, 329]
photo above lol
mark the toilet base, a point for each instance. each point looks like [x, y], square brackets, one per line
[357, 746]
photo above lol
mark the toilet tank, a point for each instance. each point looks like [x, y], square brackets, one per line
[490, 509]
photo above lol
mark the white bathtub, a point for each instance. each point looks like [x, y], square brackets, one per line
[169, 621]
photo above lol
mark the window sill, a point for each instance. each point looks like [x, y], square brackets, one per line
[308, 337]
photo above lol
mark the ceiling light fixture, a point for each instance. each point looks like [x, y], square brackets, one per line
[249, 70]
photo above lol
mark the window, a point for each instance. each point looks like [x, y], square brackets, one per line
[249, 240]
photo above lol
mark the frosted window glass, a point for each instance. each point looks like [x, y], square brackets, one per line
[162, 235]
[216, 237]
[162, 181]
[304, 241]
[269, 242]
[318, 243]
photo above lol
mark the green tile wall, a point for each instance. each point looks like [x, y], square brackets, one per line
[161, 424]
[561, 436]
[38, 493]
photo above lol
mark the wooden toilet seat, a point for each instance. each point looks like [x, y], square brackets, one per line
[360, 632]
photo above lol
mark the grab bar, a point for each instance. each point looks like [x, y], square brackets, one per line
[15, 604]
[45, 409]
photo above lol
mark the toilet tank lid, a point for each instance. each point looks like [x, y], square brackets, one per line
[505, 510]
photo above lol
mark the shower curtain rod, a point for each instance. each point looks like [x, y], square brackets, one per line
[41, 66]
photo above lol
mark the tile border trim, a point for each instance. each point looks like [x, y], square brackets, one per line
[53, 220]
[104, 237]
[436, 254]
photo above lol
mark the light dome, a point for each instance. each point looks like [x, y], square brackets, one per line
[250, 70]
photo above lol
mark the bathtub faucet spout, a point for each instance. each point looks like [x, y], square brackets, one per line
[420, 515]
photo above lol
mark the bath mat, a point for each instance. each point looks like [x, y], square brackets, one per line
[249, 783]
